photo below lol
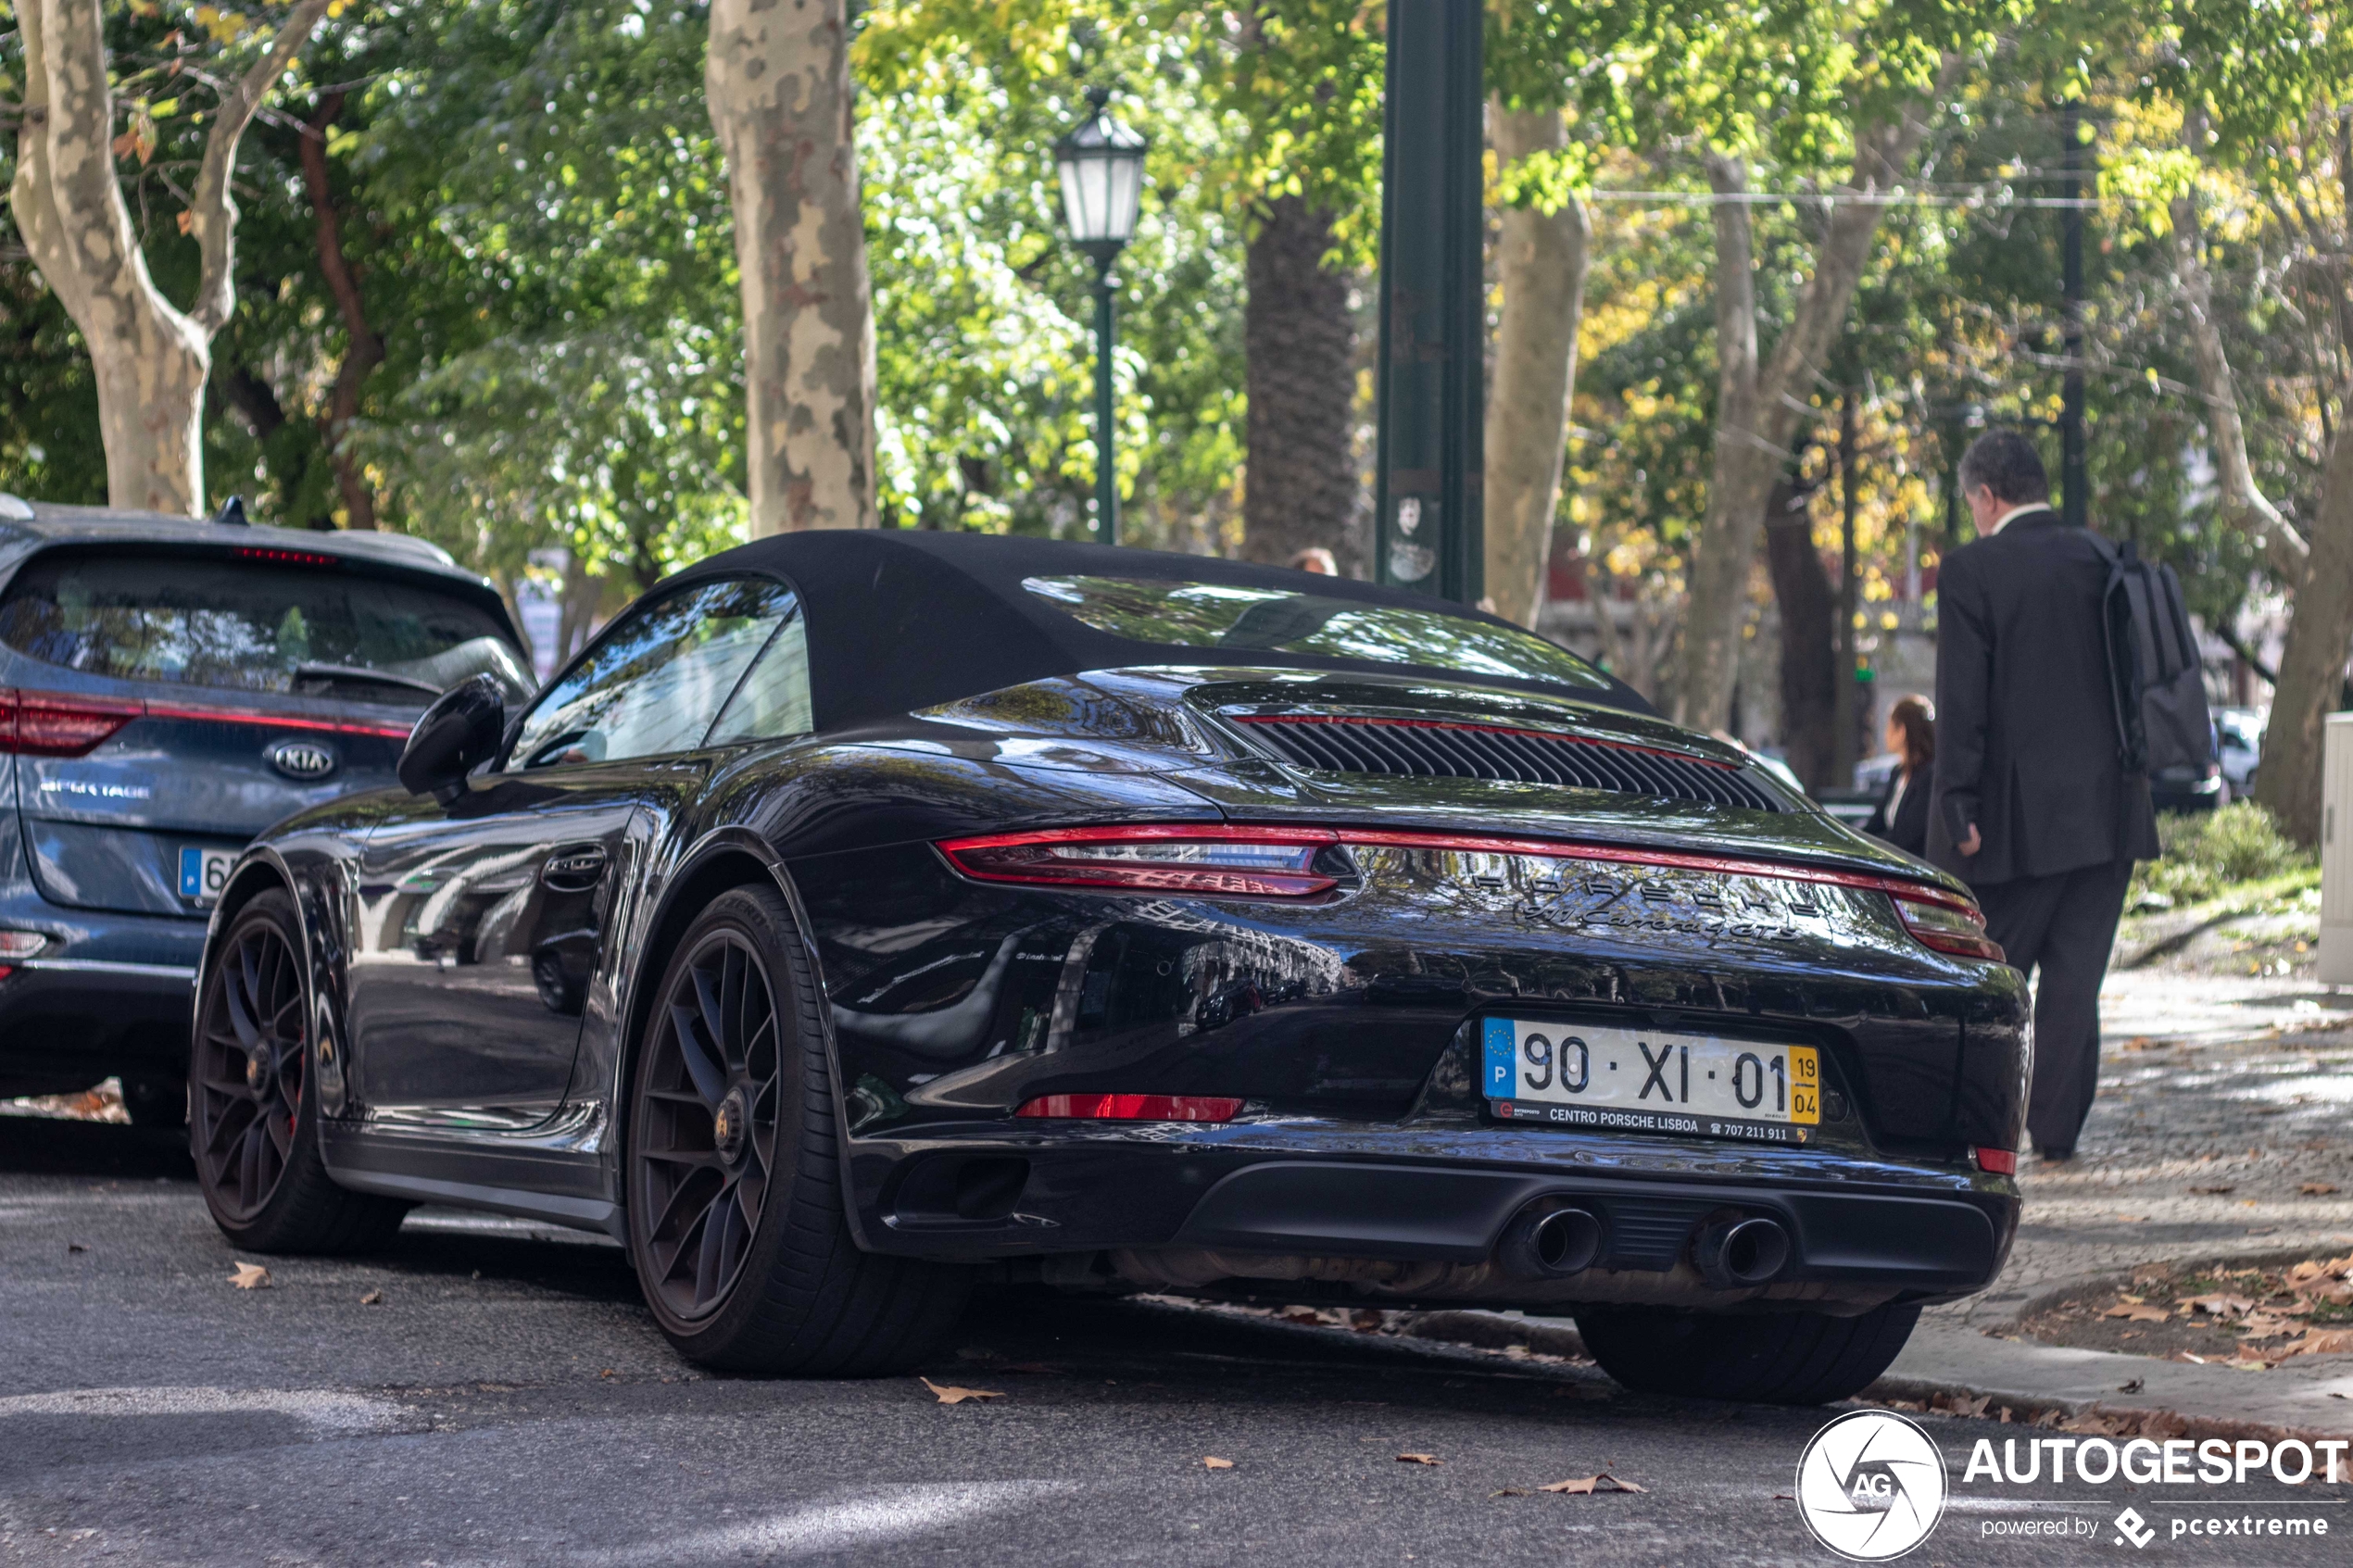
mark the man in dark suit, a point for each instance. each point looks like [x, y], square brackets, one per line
[2033, 807]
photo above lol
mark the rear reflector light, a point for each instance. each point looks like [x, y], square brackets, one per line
[17, 945]
[1133, 1107]
[2000, 1162]
[1948, 925]
[1208, 859]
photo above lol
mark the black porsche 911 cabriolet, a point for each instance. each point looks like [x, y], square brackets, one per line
[865, 915]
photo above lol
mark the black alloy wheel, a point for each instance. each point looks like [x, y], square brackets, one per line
[737, 1225]
[255, 1127]
[251, 1062]
[707, 1129]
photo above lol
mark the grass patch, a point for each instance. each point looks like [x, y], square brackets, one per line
[2211, 853]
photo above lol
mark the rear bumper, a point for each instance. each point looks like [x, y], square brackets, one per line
[1395, 1214]
[110, 994]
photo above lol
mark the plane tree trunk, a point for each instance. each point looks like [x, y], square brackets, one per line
[1540, 261]
[778, 82]
[151, 359]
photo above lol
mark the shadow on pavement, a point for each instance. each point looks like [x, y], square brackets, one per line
[45, 1146]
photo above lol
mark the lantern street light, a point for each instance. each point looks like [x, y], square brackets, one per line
[1101, 165]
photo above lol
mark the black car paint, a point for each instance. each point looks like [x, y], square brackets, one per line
[1344, 1024]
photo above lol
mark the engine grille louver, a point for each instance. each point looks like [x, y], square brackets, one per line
[1436, 748]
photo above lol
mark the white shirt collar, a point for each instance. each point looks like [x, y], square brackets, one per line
[2004, 520]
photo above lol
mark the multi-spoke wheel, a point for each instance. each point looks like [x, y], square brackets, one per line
[250, 1068]
[254, 1131]
[708, 1139]
[737, 1225]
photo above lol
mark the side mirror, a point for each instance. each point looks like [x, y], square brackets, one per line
[457, 734]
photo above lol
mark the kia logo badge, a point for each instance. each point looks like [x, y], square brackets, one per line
[303, 758]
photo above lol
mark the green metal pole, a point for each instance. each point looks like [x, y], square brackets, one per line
[1106, 468]
[1429, 524]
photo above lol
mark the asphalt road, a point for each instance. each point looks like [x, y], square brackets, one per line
[509, 1401]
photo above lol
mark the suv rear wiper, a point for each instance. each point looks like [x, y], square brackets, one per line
[354, 673]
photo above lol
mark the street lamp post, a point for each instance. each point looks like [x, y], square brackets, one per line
[1101, 165]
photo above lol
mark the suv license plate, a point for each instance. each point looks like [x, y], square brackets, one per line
[203, 872]
[1650, 1081]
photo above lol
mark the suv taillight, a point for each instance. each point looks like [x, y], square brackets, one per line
[51, 724]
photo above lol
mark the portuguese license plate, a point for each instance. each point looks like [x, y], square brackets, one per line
[203, 872]
[1650, 1081]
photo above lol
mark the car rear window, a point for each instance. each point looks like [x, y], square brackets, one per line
[252, 626]
[1224, 616]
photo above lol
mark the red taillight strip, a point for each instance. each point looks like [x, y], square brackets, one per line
[1491, 729]
[1730, 865]
[22, 714]
[277, 721]
[1468, 844]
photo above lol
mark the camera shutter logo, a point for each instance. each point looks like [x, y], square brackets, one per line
[1871, 1486]
[303, 758]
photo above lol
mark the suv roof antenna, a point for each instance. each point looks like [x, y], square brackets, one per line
[233, 512]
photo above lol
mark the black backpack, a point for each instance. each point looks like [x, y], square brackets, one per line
[2154, 676]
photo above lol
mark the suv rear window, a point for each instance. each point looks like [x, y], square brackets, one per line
[252, 626]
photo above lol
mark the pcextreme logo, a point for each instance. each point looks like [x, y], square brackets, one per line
[1870, 1485]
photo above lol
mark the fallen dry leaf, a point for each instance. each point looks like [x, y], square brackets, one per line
[2322, 1342]
[373, 1299]
[76, 1246]
[2133, 1312]
[1214, 1463]
[2316, 1189]
[2213, 1191]
[1582, 1485]
[952, 1395]
[2218, 1304]
[1419, 1459]
[250, 1277]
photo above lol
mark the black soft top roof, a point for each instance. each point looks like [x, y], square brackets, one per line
[903, 620]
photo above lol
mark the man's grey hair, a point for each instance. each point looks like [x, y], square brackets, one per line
[2004, 462]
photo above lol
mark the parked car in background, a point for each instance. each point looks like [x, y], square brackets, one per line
[2238, 742]
[167, 689]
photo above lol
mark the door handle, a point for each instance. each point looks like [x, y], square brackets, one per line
[574, 869]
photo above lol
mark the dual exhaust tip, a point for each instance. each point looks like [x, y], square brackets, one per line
[1552, 1240]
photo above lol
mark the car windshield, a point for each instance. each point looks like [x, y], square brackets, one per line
[253, 626]
[1235, 619]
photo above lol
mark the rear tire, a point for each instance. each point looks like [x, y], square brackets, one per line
[737, 1225]
[1774, 1359]
[254, 1128]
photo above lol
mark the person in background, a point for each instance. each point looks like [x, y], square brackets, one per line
[1902, 816]
[1317, 560]
[2033, 807]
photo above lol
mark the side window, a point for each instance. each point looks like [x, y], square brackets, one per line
[657, 679]
[773, 700]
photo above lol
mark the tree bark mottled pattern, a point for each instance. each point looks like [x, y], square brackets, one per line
[1300, 339]
[1540, 261]
[149, 358]
[778, 78]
